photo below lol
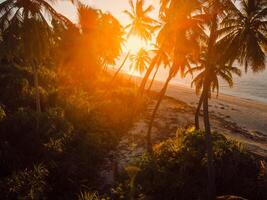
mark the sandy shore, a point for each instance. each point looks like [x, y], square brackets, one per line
[239, 119]
[248, 114]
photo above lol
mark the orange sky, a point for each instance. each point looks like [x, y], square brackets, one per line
[116, 7]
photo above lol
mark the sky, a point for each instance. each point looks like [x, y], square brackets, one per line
[115, 7]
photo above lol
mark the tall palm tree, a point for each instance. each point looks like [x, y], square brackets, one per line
[220, 71]
[142, 25]
[111, 38]
[244, 33]
[140, 60]
[161, 58]
[26, 20]
[179, 38]
[153, 79]
[213, 10]
[102, 35]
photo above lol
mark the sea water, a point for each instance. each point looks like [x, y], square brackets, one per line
[250, 85]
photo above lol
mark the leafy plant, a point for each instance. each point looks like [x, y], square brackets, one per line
[28, 183]
[177, 169]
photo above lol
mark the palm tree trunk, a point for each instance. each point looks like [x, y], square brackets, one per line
[161, 95]
[198, 111]
[145, 79]
[206, 90]
[151, 83]
[211, 170]
[37, 95]
[119, 69]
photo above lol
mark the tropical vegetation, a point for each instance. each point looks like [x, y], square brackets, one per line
[64, 111]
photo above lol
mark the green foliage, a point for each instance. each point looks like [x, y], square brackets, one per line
[2, 113]
[27, 184]
[178, 169]
[77, 126]
[89, 196]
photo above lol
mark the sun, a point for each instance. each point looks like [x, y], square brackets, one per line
[134, 44]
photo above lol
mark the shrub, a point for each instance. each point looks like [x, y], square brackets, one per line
[88, 196]
[178, 169]
[27, 184]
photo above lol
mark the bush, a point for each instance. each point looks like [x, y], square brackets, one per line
[27, 184]
[89, 196]
[178, 169]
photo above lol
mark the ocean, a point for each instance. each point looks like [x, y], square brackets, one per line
[250, 85]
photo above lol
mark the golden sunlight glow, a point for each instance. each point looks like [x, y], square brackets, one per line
[134, 44]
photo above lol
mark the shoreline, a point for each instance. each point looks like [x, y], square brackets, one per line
[248, 114]
[241, 120]
[257, 100]
[221, 94]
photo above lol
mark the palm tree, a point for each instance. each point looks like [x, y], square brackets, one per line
[179, 38]
[140, 60]
[243, 37]
[102, 32]
[25, 20]
[220, 71]
[153, 78]
[111, 38]
[244, 32]
[232, 46]
[142, 25]
[160, 57]
[213, 11]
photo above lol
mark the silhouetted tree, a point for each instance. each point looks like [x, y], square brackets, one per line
[142, 25]
[24, 20]
[179, 38]
[140, 60]
[160, 57]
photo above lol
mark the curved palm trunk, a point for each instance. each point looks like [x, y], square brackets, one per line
[211, 170]
[145, 79]
[198, 111]
[119, 69]
[161, 95]
[151, 83]
[37, 95]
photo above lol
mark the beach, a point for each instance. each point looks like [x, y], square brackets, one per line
[248, 114]
[238, 119]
